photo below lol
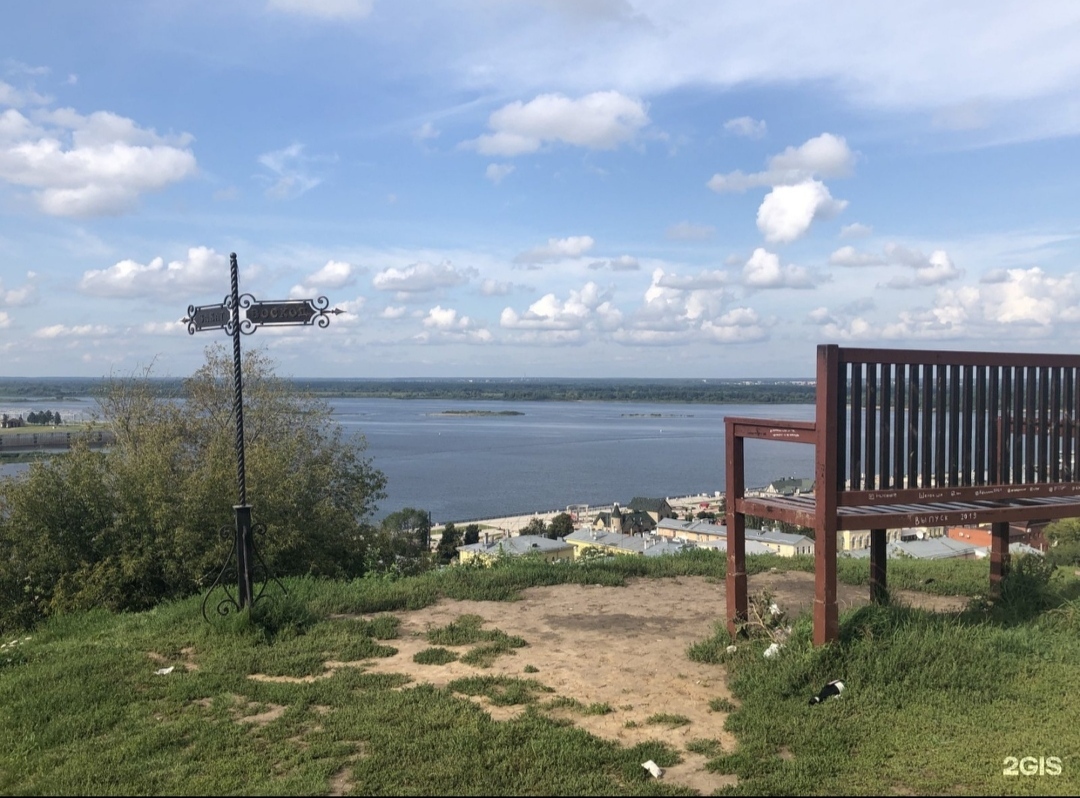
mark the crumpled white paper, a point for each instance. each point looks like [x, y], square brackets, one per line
[653, 768]
[773, 650]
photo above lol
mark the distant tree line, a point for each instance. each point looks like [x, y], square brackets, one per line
[561, 390]
[44, 417]
[705, 391]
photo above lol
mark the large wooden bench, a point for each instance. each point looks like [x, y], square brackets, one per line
[909, 438]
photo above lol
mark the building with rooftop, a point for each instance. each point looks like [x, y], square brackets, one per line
[941, 548]
[618, 543]
[517, 546]
[706, 533]
[625, 521]
[655, 508]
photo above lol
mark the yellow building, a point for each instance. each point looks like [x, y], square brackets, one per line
[519, 546]
[617, 543]
[856, 539]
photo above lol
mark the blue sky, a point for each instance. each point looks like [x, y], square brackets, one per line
[614, 188]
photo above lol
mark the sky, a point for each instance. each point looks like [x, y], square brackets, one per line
[537, 188]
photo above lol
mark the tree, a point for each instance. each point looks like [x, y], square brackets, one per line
[139, 522]
[536, 526]
[472, 534]
[448, 543]
[403, 545]
[560, 526]
[1064, 538]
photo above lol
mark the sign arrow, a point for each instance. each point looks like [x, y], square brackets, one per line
[208, 317]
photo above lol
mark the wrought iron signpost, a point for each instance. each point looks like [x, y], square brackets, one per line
[242, 313]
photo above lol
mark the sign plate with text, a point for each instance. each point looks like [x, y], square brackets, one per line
[298, 311]
[209, 317]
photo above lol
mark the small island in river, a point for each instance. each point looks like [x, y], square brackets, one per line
[480, 413]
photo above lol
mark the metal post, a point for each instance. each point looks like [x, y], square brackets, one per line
[245, 575]
[289, 312]
[244, 555]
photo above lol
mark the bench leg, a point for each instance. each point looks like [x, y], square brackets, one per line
[999, 556]
[737, 603]
[878, 592]
[826, 614]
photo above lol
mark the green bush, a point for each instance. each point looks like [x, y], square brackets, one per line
[128, 527]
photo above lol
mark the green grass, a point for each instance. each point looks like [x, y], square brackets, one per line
[434, 656]
[721, 705]
[934, 703]
[710, 748]
[668, 719]
[466, 630]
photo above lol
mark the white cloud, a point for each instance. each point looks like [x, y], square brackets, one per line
[787, 212]
[291, 174]
[393, 312]
[5, 320]
[839, 327]
[849, 256]
[737, 326]
[823, 156]
[747, 127]
[446, 326]
[495, 172]
[15, 98]
[703, 280]
[421, 278]
[674, 304]
[1015, 304]
[92, 165]
[1025, 298]
[623, 263]
[557, 249]
[203, 270]
[932, 270]
[491, 287]
[25, 294]
[426, 131]
[687, 231]
[600, 121]
[856, 230]
[763, 270]
[1017, 60]
[335, 274]
[78, 331]
[325, 9]
[587, 309]
[161, 328]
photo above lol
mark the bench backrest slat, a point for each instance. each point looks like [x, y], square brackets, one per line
[910, 419]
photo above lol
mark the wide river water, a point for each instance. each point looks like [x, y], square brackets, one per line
[463, 467]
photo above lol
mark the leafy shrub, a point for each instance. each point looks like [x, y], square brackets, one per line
[131, 526]
[435, 655]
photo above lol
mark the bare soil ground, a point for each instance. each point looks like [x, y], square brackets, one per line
[623, 646]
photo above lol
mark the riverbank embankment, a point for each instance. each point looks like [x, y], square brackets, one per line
[583, 515]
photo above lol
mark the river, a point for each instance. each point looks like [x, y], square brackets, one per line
[461, 465]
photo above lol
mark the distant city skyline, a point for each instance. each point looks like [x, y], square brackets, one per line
[537, 188]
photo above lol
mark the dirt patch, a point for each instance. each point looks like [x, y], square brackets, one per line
[620, 646]
[341, 782]
[187, 654]
[268, 715]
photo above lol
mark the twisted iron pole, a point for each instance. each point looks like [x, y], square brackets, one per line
[244, 544]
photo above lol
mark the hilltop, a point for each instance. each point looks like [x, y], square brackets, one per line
[532, 678]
